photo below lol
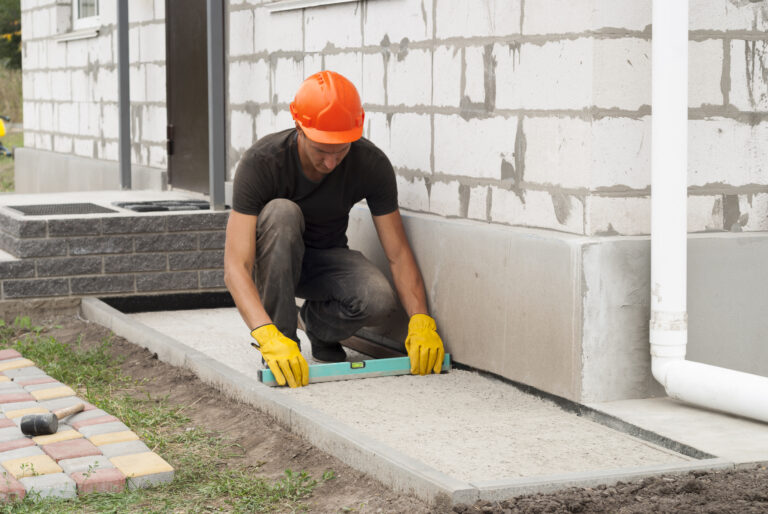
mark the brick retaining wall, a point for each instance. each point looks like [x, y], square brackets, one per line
[111, 254]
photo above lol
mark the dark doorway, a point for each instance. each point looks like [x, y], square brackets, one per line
[187, 82]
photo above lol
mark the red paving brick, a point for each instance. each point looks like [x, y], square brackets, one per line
[109, 480]
[9, 354]
[16, 397]
[35, 381]
[15, 444]
[10, 488]
[5, 423]
[93, 421]
[70, 449]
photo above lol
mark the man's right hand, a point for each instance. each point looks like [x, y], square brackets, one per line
[282, 356]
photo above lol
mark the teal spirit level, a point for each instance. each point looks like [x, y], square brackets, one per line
[351, 370]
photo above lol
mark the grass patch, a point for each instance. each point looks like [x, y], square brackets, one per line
[10, 140]
[208, 477]
[10, 94]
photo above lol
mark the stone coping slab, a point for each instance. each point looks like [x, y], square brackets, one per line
[58, 465]
[399, 471]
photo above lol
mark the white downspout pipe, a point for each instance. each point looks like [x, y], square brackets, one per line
[707, 386]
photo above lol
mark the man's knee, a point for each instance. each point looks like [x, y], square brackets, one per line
[281, 214]
[376, 299]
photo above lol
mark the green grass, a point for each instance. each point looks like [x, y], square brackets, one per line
[208, 477]
[15, 139]
[10, 94]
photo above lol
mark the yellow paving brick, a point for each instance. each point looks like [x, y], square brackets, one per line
[23, 412]
[3, 378]
[53, 393]
[64, 435]
[113, 437]
[15, 364]
[140, 464]
[31, 466]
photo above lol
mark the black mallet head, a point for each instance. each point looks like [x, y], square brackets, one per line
[44, 424]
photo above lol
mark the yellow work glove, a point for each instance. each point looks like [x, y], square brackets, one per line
[282, 356]
[424, 346]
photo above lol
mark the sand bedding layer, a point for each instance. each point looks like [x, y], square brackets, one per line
[468, 426]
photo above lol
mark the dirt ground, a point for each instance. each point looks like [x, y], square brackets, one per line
[274, 449]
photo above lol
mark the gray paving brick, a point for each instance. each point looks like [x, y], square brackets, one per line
[29, 371]
[74, 227]
[84, 464]
[102, 284]
[17, 269]
[100, 245]
[211, 279]
[133, 224]
[126, 448]
[166, 243]
[8, 387]
[101, 428]
[27, 451]
[63, 266]
[167, 281]
[22, 227]
[135, 262]
[35, 288]
[196, 260]
[54, 485]
[149, 480]
[61, 403]
[10, 433]
[198, 221]
[89, 414]
[7, 407]
[47, 385]
[212, 240]
[9, 243]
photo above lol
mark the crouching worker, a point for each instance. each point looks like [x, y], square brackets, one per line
[293, 191]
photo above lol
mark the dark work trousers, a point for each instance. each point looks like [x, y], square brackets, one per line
[343, 290]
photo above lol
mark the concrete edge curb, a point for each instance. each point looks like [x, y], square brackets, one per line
[361, 452]
[354, 448]
[496, 490]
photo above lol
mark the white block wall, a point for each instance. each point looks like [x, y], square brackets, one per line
[70, 87]
[523, 113]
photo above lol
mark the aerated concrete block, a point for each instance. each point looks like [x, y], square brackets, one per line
[84, 464]
[103, 428]
[55, 485]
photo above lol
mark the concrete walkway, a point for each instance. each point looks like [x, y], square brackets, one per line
[457, 437]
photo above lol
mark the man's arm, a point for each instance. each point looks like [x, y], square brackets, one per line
[239, 255]
[408, 281]
[424, 346]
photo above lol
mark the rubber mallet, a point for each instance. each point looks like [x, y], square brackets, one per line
[44, 424]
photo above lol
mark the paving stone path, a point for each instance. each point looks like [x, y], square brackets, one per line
[92, 451]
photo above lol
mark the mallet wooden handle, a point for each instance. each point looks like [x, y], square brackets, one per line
[63, 413]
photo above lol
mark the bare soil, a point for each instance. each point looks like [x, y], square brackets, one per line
[273, 449]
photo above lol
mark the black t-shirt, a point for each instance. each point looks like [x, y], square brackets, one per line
[271, 169]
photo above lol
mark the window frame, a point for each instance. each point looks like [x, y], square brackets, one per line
[89, 22]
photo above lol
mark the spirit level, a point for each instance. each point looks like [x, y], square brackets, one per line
[350, 370]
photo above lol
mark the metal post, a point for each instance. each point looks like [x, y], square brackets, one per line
[216, 114]
[124, 93]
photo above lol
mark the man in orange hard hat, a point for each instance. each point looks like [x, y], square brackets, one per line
[293, 191]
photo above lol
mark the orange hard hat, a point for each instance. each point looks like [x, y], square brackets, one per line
[327, 108]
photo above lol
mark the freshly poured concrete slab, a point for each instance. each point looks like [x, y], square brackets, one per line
[469, 427]
[733, 438]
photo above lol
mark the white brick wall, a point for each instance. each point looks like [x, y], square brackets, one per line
[249, 82]
[473, 148]
[727, 15]
[372, 89]
[705, 71]
[623, 14]
[526, 77]
[280, 31]
[557, 17]
[756, 207]
[409, 80]
[336, 25]
[241, 33]
[397, 19]
[447, 76]
[621, 153]
[749, 62]
[724, 151]
[287, 76]
[348, 64]
[475, 72]
[241, 130]
[537, 209]
[405, 139]
[612, 216]
[558, 151]
[705, 213]
[469, 18]
[444, 198]
[412, 194]
[622, 73]
[478, 203]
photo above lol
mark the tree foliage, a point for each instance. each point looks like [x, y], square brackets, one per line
[10, 33]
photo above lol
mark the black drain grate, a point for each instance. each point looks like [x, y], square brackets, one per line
[166, 205]
[53, 209]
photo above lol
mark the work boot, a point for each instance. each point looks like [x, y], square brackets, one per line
[322, 351]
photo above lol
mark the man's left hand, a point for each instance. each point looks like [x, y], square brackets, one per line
[424, 346]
